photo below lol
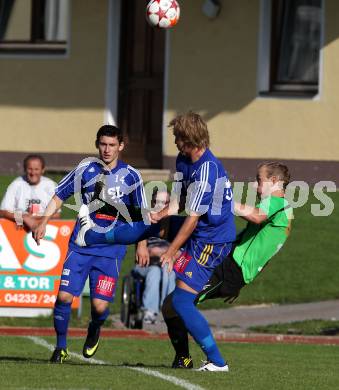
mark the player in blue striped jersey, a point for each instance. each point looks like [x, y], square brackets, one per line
[206, 235]
[113, 191]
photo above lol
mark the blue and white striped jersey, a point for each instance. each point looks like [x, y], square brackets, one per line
[209, 194]
[97, 187]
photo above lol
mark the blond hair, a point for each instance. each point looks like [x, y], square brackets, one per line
[191, 129]
[275, 168]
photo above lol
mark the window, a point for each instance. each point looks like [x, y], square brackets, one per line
[34, 26]
[295, 43]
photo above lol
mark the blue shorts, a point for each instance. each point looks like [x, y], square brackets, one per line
[197, 262]
[103, 275]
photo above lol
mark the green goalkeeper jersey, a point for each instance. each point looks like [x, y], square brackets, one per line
[259, 243]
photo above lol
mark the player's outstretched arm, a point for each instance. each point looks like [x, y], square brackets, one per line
[183, 235]
[249, 213]
[156, 217]
[53, 206]
[173, 208]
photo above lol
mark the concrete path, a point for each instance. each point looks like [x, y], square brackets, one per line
[243, 317]
[240, 318]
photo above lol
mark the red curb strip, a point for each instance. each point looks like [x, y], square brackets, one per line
[142, 334]
[81, 332]
[278, 339]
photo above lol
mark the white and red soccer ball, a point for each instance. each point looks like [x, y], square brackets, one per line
[163, 13]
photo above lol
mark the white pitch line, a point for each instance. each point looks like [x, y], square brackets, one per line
[169, 378]
[179, 382]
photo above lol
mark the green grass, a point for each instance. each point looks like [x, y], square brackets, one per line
[24, 365]
[308, 327]
[303, 271]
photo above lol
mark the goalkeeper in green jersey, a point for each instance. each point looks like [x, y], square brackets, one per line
[268, 227]
[269, 224]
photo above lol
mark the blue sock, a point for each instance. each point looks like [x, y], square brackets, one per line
[61, 313]
[98, 319]
[125, 234]
[196, 324]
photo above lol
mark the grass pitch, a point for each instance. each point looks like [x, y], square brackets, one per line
[308, 327]
[145, 364]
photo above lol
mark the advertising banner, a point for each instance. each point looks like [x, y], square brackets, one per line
[30, 274]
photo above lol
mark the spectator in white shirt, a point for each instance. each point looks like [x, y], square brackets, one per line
[26, 198]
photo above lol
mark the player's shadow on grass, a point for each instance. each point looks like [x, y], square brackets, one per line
[27, 360]
[143, 365]
[20, 359]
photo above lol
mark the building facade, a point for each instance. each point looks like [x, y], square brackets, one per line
[263, 73]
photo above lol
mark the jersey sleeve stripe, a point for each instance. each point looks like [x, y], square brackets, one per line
[72, 171]
[139, 182]
[69, 179]
[68, 176]
[202, 187]
[65, 183]
[197, 199]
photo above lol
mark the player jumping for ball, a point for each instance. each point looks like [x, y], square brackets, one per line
[269, 224]
[206, 235]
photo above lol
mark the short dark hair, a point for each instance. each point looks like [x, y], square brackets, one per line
[109, 131]
[34, 157]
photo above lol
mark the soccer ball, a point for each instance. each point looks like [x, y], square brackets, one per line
[163, 13]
